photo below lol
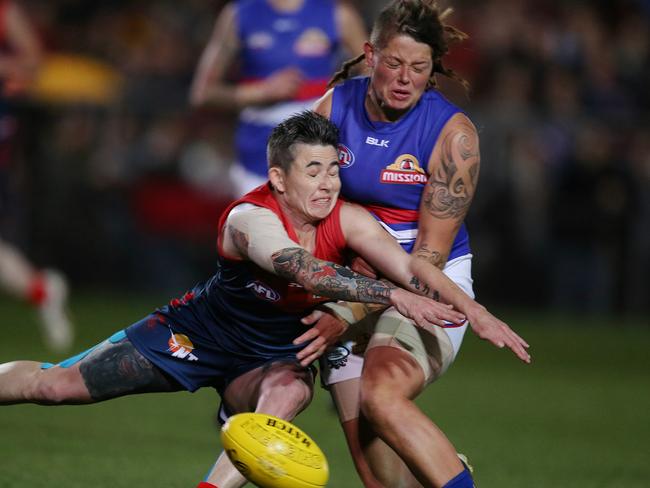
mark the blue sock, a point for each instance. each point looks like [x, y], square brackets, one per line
[463, 480]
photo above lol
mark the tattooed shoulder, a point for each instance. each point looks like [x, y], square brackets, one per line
[451, 186]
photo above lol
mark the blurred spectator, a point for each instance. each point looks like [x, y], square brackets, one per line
[559, 94]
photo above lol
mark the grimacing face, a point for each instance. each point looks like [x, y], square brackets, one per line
[310, 189]
[400, 73]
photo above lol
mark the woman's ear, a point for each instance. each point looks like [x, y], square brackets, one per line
[276, 177]
[369, 51]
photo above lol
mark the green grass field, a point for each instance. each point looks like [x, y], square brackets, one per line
[578, 417]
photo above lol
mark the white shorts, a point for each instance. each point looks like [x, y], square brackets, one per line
[434, 353]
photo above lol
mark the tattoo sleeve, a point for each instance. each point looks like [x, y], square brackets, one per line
[451, 187]
[329, 279]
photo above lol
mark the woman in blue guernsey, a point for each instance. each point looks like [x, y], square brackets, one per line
[411, 158]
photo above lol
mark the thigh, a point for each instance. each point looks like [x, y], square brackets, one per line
[432, 352]
[115, 368]
[274, 388]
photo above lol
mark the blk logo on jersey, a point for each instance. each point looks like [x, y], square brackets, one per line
[263, 291]
[377, 142]
[404, 171]
[346, 157]
[181, 347]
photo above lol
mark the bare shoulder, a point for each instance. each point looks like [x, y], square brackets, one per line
[323, 105]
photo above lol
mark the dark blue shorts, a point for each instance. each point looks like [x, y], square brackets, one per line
[192, 359]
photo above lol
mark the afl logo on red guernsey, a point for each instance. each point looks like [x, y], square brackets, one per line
[263, 291]
[404, 171]
[346, 157]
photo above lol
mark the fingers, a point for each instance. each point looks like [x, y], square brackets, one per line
[507, 337]
[443, 315]
[313, 317]
[308, 335]
[311, 352]
[310, 359]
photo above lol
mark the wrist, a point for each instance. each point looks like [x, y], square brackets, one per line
[342, 311]
[474, 311]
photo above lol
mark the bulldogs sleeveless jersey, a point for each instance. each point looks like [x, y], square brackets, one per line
[270, 41]
[384, 165]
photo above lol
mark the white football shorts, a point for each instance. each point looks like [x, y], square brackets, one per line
[435, 353]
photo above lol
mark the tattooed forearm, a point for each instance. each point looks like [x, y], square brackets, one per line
[429, 255]
[451, 187]
[329, 279]
[239, 238]
[423, 289]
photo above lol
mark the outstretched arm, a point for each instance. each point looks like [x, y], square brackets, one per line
[258, 235]
[454, 170]
[370, 241]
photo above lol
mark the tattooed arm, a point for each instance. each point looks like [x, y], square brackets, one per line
[453, 169]
[256, 234]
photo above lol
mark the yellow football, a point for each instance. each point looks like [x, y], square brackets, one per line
[273, 453]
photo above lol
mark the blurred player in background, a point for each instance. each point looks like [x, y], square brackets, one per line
[411, 158]
[20, 55]
[282, 53]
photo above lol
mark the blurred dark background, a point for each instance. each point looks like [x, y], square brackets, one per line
[119, 183]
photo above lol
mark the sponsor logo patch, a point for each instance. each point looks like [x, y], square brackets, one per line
[404, 171]
[181, 347]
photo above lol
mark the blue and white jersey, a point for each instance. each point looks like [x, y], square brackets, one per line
[384, 164]
[306, 39]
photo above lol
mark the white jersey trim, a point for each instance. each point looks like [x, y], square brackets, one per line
[401, 236]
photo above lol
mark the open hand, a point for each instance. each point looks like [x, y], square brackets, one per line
[488, 327]
[425, 312]
[326, 331]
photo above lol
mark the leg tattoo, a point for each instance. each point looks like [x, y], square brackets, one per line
[114, 370]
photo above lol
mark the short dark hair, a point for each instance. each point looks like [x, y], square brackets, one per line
[306, 127]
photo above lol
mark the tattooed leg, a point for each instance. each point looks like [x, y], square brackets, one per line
[109, 370]
[114, 370]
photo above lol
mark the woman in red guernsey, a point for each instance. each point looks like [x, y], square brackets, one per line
[280, 252]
